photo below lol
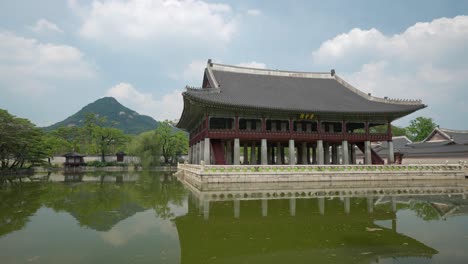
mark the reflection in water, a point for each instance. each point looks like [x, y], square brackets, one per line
[151, 217]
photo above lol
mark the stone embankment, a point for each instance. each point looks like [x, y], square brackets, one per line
[307, 173]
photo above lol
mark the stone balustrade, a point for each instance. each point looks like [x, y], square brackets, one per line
[298, 173]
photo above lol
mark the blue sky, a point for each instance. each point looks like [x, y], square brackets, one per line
[57, 56]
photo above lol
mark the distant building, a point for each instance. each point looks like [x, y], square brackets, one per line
[443, 144]
[284, 117]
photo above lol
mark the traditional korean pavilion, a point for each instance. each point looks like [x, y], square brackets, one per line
[284, 117]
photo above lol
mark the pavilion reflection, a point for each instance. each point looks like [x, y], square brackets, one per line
[299, 222]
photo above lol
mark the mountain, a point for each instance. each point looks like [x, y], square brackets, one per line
[124, 118]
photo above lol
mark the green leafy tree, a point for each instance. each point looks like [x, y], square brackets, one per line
[146, 146]
[420, 128]
[73, 137]
[172, 144]
[396, 131]
[106, 138]
[20, 142]
[162, 142]
[53, 146]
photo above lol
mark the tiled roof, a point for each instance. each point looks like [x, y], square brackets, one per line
[292, 91]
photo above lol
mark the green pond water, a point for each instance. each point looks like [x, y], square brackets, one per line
[152, 217]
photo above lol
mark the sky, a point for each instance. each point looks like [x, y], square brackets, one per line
[56, 56]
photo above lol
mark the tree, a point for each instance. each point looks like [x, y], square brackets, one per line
[20, 142]
[420, 128]
[163, 141]
[146, 146]
[172, 144]
[396, 131]
[53, 145]
[103, 137]
[73, 137]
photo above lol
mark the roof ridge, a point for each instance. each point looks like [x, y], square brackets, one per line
[403, 137]
[453, 130]
[271, 72]
[374, 98]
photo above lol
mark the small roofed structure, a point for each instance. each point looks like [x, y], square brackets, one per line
[120, 156]
[74, 159]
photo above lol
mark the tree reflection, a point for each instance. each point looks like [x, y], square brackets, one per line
[19, 202]
[97, 205]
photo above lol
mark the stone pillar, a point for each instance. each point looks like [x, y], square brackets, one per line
[236, 152]
[394, 204]
[367, 152]
[320, 153]
[321, 204]
[347, 205]
[370, 204]
[264, 155]
[264, 208]
[345, 152]
[236, 209]
[334, 154]
[340, 154]
[206, 151]
[246, 154]
[304, 153]
[292, 155]
[314, 154]
[253, 156]
[202, 151]
[292, 206]
[206, 210]
[326, 151]
[391, 155]
[278, 153]
[229, 152]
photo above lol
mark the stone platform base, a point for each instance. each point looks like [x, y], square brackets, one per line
[200, 174]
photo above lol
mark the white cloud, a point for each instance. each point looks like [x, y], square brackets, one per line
[194, 71]
[427, 61]
[254, 12]
[168, 106]
[253, 64]
[158, 21]
[43, 25]
[29, 66]
[434, 41]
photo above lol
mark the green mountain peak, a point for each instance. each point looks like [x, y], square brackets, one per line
[116, 114]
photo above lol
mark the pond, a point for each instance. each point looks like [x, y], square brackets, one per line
[152, 217]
